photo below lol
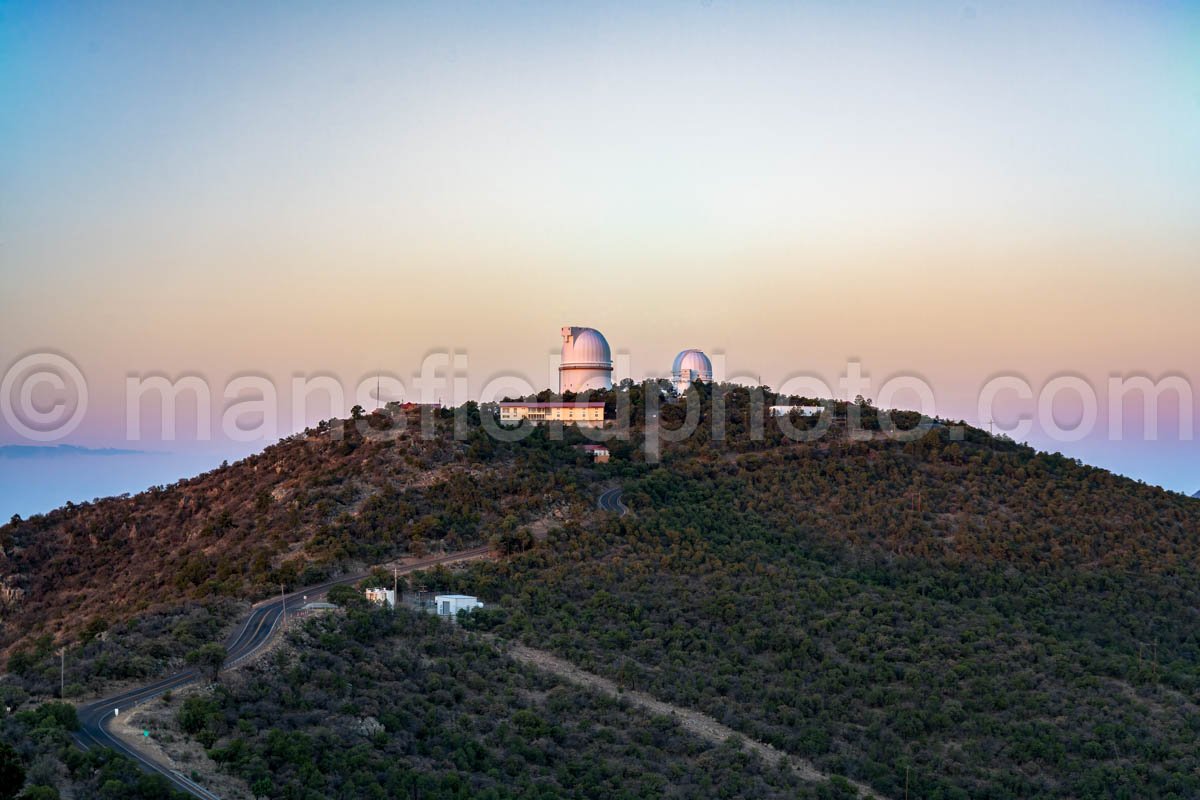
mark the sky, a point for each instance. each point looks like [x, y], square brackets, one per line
[955, 191]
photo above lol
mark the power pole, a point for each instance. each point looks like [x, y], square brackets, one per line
[62, 673]
[283, 600]
[395, 587]
[906, 782]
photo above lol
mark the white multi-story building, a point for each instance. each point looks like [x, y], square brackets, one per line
[586, 415]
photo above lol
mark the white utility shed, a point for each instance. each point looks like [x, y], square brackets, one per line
[448, 605]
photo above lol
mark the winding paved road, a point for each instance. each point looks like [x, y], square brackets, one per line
[611, 501]
[248, 639]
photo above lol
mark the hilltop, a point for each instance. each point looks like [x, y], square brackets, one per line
[350, 493]
[955, 613]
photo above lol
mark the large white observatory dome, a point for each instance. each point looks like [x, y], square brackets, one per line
[690, 365]
[586, 361]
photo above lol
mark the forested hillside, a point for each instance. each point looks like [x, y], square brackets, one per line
[312, 505]
[376, 704]
[951, 613]
[961, 615]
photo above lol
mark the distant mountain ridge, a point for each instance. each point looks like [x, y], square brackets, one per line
[64, 451]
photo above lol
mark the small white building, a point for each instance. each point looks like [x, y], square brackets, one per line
[598, 452]
[448, 605]
[381, 597]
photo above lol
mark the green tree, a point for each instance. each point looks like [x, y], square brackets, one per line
[347, 597]
[56, 714]
[12, 772]
[510, 542]
[40, 793]
[209, 657]
[195, 712]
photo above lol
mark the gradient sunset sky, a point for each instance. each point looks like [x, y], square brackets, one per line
[951, 190]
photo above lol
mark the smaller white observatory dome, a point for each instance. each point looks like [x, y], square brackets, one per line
[586, 361]
[690, 365]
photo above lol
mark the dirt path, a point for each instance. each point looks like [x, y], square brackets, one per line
[692, 721]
